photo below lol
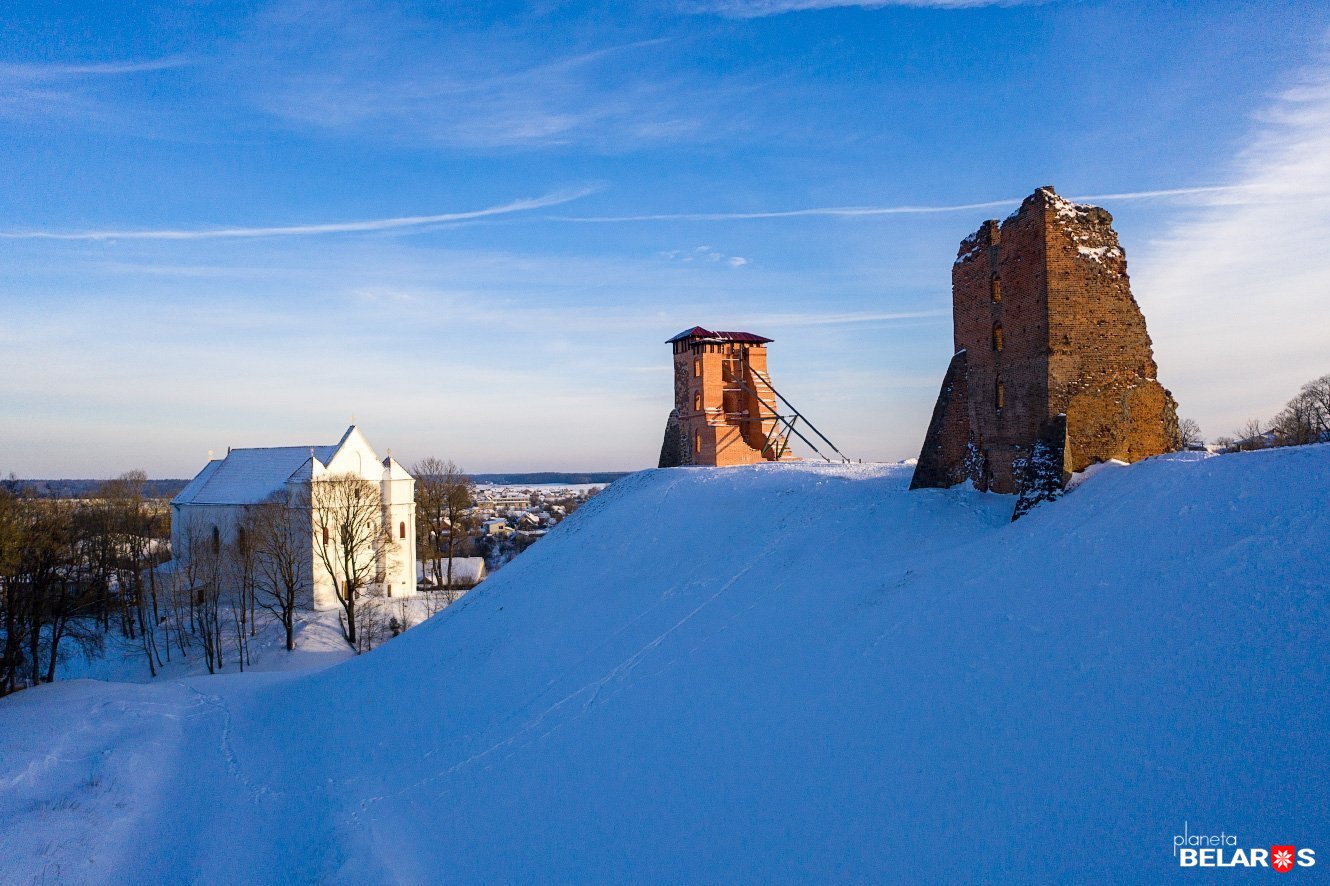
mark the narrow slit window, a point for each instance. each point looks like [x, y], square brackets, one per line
[997, 336]
[697, 401]
[697, 368]
[999, 395]
[401, 530]
[325, 535]
[697, 442]
[996, 289]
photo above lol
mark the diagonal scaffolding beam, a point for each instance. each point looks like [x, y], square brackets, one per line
[787, 423]
[800, 415]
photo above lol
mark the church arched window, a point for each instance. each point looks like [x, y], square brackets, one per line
[401, 530]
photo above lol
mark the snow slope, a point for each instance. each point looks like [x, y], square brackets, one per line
[777, 673]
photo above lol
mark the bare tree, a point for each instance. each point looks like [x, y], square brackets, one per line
[280, 537]
[1305, 418]
[1251, 435]
[1189, 434]
[11, 597]
[443, 494]
[41, 598]
[200, 580]
[351, 540]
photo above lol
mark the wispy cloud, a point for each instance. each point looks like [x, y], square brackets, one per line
[704, 254]
[907, 209]
[305, 230]
[762, 8]
[1235, 291]
[54, 88]
[37, 71]
[353, 67]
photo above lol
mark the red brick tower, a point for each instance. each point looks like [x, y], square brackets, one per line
[1050, 346]
[724, 408]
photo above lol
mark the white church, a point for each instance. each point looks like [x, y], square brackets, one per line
[210, 508]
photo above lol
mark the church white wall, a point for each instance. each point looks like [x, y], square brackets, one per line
[196, 523]
[354, 456]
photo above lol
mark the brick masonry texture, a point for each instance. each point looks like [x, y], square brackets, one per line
[723, 406]
[1044, 315]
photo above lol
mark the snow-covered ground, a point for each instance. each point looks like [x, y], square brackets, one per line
[771, 674]
[318, 637]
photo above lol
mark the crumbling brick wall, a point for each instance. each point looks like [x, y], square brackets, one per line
[1042, 308]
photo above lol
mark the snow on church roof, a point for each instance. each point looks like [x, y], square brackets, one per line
[247, 476]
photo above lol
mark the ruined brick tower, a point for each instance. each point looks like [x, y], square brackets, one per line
[1051, 354]
[724, 408]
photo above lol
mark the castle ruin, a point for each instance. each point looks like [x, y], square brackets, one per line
[1053, 367]
[724, 406]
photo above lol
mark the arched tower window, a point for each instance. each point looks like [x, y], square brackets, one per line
[996, 289]
[401, 530]
[697, 442]
[997, 336]
[697, 401]
[697, 367]
[999, 395]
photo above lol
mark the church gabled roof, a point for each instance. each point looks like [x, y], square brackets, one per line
[392, 470]
[248, 476]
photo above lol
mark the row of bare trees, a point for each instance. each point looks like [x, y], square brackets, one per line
[75, 570]
[1304, 419]
[84, 570]
[225, 583]
[444, 495]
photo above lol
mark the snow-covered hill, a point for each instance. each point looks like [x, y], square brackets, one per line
[770, 674]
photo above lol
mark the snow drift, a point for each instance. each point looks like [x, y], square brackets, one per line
[771, 673]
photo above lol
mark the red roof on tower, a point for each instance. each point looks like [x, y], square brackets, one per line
[697, 332]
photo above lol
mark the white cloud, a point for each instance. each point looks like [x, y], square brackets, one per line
[761, 8]
[1234, 191]
[378, 224]
[704, 254]
[1235, 293]
[36, 72]
[68, 89]
[350, 66]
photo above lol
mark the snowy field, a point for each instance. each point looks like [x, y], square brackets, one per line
[769, 674]
[319, 644]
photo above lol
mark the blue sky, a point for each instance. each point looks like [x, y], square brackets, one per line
[473, 228]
